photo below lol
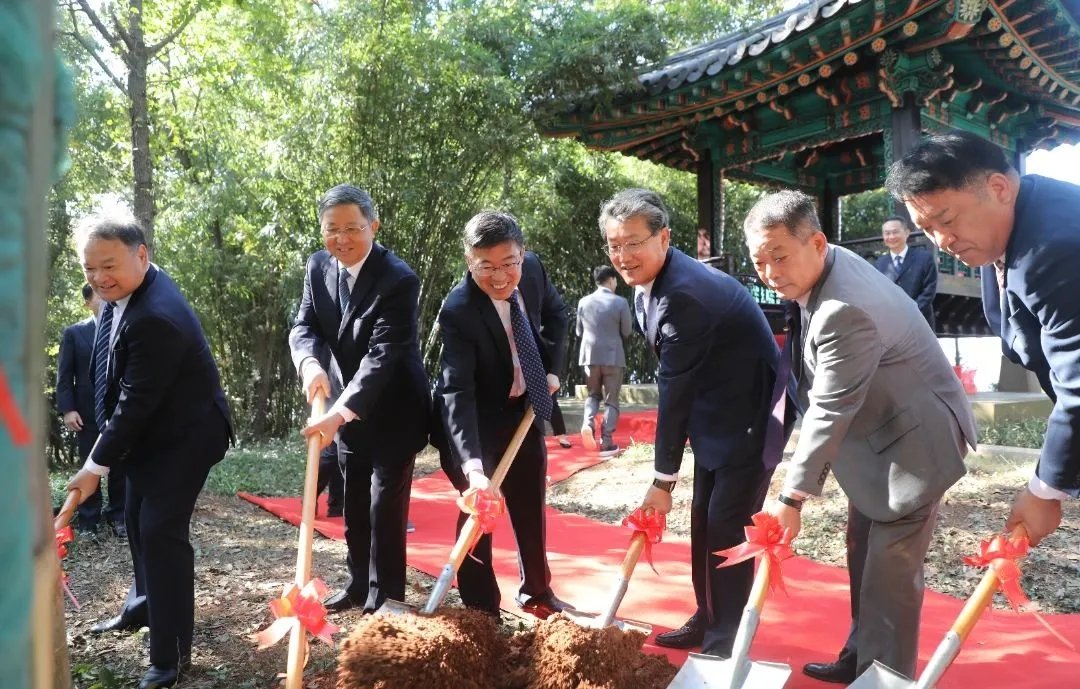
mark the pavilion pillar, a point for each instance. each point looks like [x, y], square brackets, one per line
[710, 206]
[829, 212]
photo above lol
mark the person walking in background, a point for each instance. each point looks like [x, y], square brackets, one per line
[603, 322]
[75, 402]
[912, 268]
[164, 418]
[883, 409]
[503, 328]
[1025, 233]
[360, 302]
[718, 368]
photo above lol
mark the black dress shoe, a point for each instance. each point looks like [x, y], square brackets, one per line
[341, 601]
[543, 607]
[838, 672]
[689, 635]
[120, 530]
[157, 677]
[120, 623]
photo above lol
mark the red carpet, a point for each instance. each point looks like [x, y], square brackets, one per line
[809, 624]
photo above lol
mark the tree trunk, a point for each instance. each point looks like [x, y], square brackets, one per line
[138, 57]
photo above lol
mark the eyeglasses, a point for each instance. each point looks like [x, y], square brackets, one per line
[348, 232]
[628, 247]
[489, 270]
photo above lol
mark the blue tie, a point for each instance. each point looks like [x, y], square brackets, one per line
[639, 306]
[532, 367]
[897, 262]
[343, 289]
[101, 364]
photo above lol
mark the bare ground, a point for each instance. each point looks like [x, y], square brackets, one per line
[244, 555]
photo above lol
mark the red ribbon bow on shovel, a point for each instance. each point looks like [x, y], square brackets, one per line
[765, 537]
[1001, 554]
[486, 506]
[61, 538]
[650, 523]
[299, 606]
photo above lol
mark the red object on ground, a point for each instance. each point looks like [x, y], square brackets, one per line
[808, 625]
[967, 378]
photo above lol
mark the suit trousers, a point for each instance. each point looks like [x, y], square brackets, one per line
[159, 536]
[90, 512]
[603, 383]
[885, 570]
[376, 511]
[723, 502]
[524, 489]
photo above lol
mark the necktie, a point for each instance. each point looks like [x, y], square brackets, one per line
[639, 306]
[897, 262]
[532, 367]
[101, 364]
[774, 431]
[343, 289]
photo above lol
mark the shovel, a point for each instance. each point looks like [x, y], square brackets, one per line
[879, 676]
[470, 532]
[63, 517]
[599, 621]
[738, 671]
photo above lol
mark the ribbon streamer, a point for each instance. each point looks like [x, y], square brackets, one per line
[299, 606]
[61, 538]
[10, 414]
[766, 538]
[650, 523]
[1001, 555]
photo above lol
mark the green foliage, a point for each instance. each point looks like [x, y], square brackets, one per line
[861, 214]
[92, 676]
[1027, 433]
[273, 467]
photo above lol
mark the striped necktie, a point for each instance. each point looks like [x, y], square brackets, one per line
[639, 306]
[532, 366]
[897, 262]
[343, 289]
[101, 364]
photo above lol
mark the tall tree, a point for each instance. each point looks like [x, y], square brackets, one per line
[121, 25]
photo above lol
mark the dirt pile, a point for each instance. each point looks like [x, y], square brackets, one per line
[461, 649]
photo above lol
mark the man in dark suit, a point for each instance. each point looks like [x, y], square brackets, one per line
[75, 401]
[360, 301]
[1025, 233]
[502, 329]
[163, 417]
[883, 409]
[331, 477]
[910, 267]
[718, 366]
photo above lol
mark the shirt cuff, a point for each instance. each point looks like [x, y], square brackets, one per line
[665, 477]
[309, 368]
[795, 493]
[95, 468]
[346, 413]
[472, 465]
[1042, 489]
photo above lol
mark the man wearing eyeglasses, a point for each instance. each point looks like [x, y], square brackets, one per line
[503, 328]
[717, 380]
[360, 302]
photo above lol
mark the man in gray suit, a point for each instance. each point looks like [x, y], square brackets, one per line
[603, 322]
[884, 410]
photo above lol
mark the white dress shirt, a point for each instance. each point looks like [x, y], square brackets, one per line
[119, 306]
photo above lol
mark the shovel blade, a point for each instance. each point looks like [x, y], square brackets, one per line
[396, 607]
[879, 676]
[705, 671]
[591, 620]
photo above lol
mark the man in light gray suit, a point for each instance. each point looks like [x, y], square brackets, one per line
[603, 322]
[884, 410]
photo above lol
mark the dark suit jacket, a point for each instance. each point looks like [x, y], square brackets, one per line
[163, 388]
[375, 352]
[477, 372]
[1038, 316]
[74, 387]
[718, 360]
[918, 277]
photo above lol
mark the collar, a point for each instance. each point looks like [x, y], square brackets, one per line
[646, 290]
[902, 254]
[602, 288]
[355, 268]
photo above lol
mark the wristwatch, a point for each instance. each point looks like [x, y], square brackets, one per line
[660, 483]
[790, 502]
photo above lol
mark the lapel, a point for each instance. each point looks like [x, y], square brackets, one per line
[815, 298]
[491, 320]
[118, 354]
[330, 268]
[650, 307]
[365, 281]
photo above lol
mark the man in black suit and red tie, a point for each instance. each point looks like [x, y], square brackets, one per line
[502, 329]
[75, 402]
[163, 418]
[360, 302]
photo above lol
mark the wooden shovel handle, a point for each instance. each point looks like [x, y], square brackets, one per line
[633, 554]
[63, 517]
[984, 593]
[761, 583]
